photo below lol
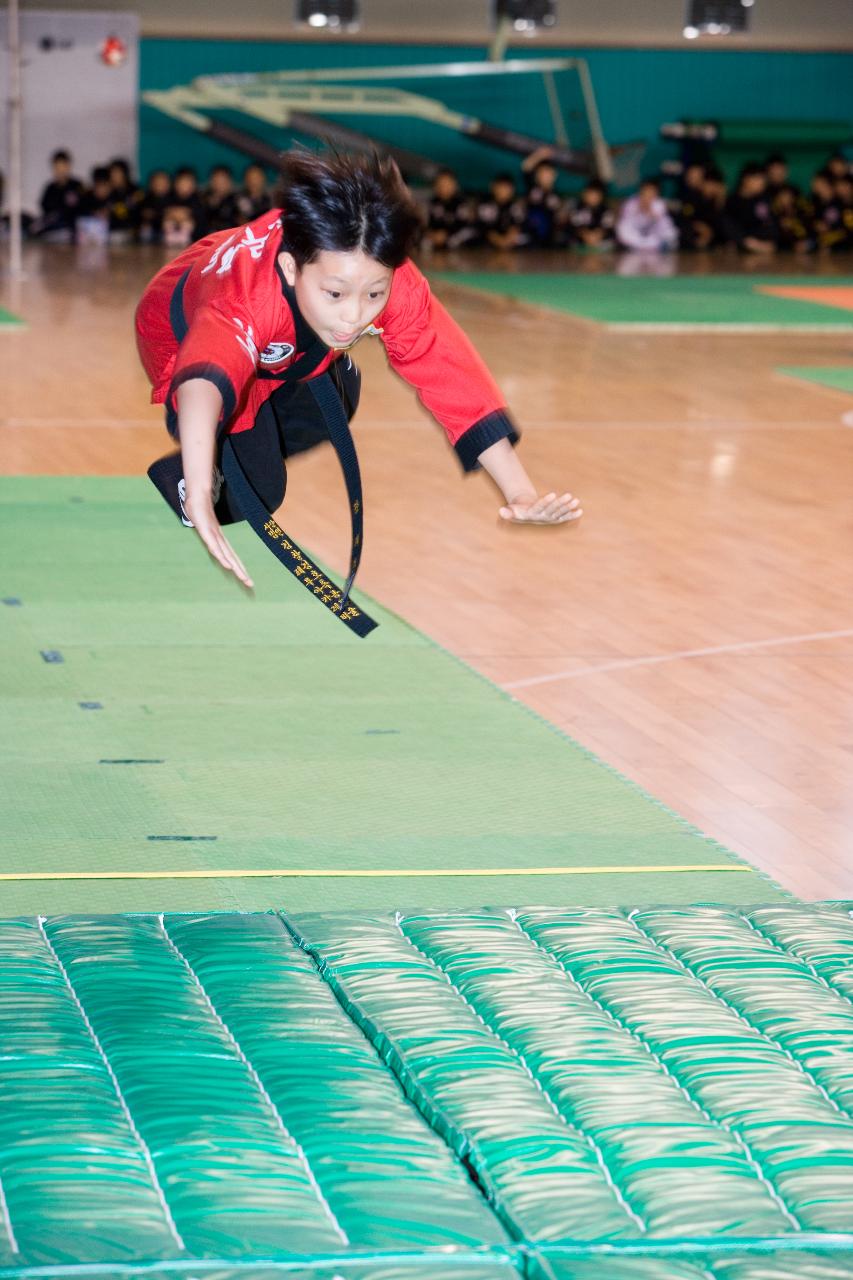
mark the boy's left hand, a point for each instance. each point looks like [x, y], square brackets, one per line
[552, 509]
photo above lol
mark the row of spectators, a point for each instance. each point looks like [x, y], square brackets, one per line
[765, 212]
[170, 209]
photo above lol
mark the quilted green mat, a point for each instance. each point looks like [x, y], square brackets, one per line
[158, 720]
[566, 1094]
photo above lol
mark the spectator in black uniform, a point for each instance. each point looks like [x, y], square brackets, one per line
[696, 217]
[153, 205]
[545, 224]
[748, 218]
[184, 219]
[450, 218]
[96, 200]
[837, 166]
[61, 200]
[125, 197]
[776, 172]
[220, 200]
[502, 214]
[254, 198]
[827, 211]
[795, 228]
[843, 189]
[591, 220]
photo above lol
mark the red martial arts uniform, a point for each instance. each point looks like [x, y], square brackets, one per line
[223, 311]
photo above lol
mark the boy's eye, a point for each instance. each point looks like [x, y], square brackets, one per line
[333, 293]
[378, 293]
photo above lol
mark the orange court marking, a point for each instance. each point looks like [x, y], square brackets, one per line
[826, 295]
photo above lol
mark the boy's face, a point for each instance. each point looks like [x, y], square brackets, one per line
[648, 195]
[546, 176]
[445, 186]
[61, 170]
[220, 182]
[339, 293]
[592, 197]
[694, 175]
[777, 173]
[159, 183]
[255, 178]
[503, 191]
[753, 184]
[185, 185]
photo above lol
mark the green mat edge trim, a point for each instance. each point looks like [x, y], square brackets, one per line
[590, 755]
[816, 376]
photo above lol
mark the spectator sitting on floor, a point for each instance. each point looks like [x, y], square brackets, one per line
[748, 218]
[125, 197]
[184, 219]
[843, 189]
[153, 205]
[837, 166]
[61, 201]
[96, 200]
[545, 223]
[827, 211]
[254, 198]
[220, 200]
[776, 174]
[450, 218]
[501, 215]
[591, 220]
[795, 228]
[697, 217]
[644, 222]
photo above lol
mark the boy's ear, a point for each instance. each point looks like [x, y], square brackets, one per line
[288, 266]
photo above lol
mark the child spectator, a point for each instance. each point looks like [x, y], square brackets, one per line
[501, 215]
[220, 200]
[153, 205]
[93, 225]
[184, 218]
[827, 211]
[644, 222]
[748, 218]
[591, 220]
[124, 201]
[697, 218]
[794, 226]
[843, 190]
[837, 166]
[255, 198]
[716, 195]
[61, 200]
[450, 218]
[776, 172]
[544, 225]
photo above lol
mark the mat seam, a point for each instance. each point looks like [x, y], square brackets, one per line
[303, 1158]
[143, 1145]
[570, 1125]
[641, 1039]
[715, 995]
[826, 982]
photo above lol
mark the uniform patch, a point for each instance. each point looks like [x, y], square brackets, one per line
[276, 352]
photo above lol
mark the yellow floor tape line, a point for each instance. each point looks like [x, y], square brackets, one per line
[373, 873]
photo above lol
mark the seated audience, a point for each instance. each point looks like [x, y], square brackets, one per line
[153, 205]
[748, 218]
[255, 197]
[545, 223]
[501, 216]
[644, 222]
[220, 200]
[184, 216]
[590, 219]
[697, 218]
[60, 201]
[450, 216]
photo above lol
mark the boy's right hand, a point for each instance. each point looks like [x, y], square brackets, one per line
[208, 528]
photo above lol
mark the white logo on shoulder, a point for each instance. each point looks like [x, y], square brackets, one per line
[277, 352]
[224, 255]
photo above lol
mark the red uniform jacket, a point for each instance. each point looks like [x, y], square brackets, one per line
[222, 311]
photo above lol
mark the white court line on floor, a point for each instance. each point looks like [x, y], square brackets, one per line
[622, 664]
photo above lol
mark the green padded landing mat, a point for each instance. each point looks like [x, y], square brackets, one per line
[835, 379]
[156, 719]
[10, 321]
[678, 302]
[547, 1094]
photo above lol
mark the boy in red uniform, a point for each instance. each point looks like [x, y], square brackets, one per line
[231, 330]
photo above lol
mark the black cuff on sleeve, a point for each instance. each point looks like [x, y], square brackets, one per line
[495, 426]
[211, 373]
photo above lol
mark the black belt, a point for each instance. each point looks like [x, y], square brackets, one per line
[283, 547]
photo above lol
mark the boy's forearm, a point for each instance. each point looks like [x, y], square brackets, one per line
[504, 466]
[199, 408]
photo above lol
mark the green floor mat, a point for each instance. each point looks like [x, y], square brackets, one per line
[10, 321]
[156, 719]
[668, 302]
[641, 1094]
[835, 379]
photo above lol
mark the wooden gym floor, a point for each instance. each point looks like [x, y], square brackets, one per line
[695, 630]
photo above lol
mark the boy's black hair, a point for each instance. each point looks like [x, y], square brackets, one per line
[445, 173]
[503, 177]
[595, 184]
[61, 154]
[221, 168]
[751, 171]
[120, 163]
[775, 158]
[100, 173]
[650, 181]
[340, 203]
[185, 171]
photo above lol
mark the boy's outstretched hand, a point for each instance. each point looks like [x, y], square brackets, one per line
[551, 509]
[209, 530]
